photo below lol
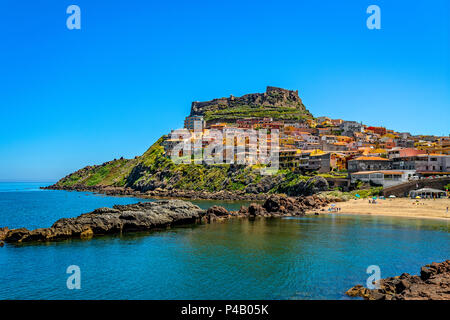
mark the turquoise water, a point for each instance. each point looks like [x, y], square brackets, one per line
[315, 257]
[25, 205]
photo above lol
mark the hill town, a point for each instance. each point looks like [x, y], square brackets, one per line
[350, 149]
[313, 155]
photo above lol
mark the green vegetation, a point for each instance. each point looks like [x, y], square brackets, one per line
[246, 111]
[109, 173]
[334, 174]
[290, 181]
[363, 193]
[153, 169]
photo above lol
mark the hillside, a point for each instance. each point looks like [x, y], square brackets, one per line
[153, 170]
[276, 103]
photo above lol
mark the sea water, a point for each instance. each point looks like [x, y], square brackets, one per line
[313, 257]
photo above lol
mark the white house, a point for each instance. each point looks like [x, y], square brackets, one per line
[385, 178]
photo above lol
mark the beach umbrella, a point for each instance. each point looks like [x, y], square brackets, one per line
[418, 197]
[392, 196]
[333, 205]
[357, 195]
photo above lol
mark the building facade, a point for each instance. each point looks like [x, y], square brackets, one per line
[189, 122]
[369, 164]
[385, 178]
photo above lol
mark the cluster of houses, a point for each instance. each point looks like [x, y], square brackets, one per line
[365, 153]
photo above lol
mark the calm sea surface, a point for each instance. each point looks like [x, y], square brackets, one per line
[317, 257]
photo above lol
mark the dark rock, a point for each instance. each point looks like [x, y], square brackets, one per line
[273, 203]
[425, 273]
[120, 218]
[433, 284]
[3, 232]
[218, 211]
[358, 291]
[16, 234]
[402, 285]
[377, 295]
[317, 184]
[310, 201]
[280, 205]
[255, 210]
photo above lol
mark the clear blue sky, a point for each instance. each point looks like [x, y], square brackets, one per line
[69, 98]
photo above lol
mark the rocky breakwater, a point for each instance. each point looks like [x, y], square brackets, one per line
[432, 284]
[157, 215]
[275, 206]
[120, 218]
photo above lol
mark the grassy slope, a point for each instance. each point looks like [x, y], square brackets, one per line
[152, 168]
[278, 113]
[111, 173]
[116, 172]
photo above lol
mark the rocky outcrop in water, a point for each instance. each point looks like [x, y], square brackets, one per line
[275, 206]
[159, 214]
[120, 218]
[279, 206]
[432, 284]
[3, 232]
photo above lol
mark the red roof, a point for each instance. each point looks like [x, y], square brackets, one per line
[371, 159]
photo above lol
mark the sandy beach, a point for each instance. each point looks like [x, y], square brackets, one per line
[400, 207]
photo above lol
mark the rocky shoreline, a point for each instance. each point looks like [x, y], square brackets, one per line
[159, 214]
[165, 193]
[432, 284]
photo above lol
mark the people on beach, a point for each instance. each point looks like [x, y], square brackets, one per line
[334, 209]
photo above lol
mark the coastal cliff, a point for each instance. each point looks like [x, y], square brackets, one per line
[276, 103]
